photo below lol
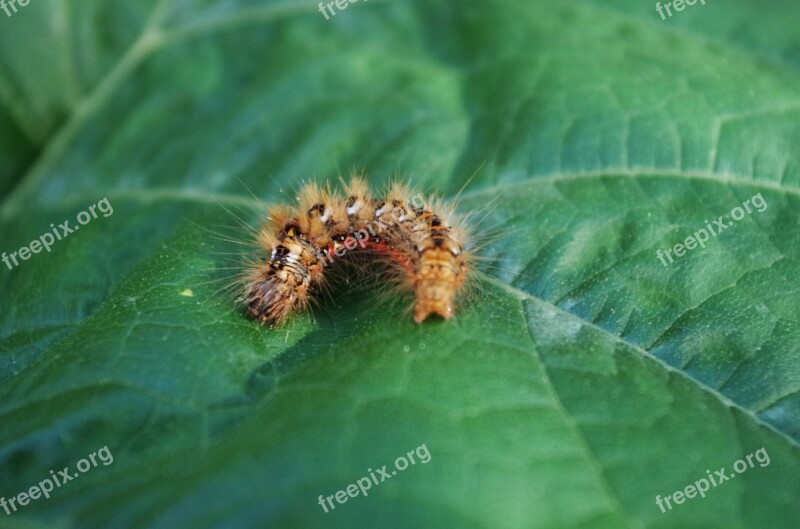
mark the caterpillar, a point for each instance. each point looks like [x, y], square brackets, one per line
[419, 240]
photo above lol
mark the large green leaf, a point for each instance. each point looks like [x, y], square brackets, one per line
[581, 380]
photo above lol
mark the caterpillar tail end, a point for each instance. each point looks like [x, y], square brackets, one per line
[434, 299]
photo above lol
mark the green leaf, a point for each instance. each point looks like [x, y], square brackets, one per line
[581, 380]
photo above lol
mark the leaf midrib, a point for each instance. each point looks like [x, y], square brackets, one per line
[226, 199]
[521, 294]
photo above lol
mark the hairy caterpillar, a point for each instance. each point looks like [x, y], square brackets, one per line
[421, 245]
